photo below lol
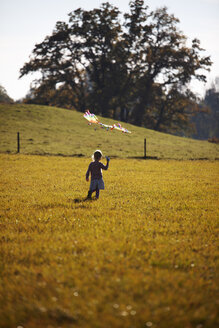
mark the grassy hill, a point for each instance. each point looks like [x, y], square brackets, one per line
[51, 130]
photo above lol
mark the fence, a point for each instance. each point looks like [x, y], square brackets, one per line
[18, 145]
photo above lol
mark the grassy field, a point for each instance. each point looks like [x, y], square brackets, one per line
[144, 255]
[50, 130]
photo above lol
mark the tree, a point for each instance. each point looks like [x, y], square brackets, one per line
[138, 70]
[80, 54]
[207, 121]
[4, 98]
[161, 57]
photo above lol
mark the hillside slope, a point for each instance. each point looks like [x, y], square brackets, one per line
[51, 130]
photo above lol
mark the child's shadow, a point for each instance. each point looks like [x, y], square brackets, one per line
[82, 200]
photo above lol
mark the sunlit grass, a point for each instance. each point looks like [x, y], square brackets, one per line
[51, 130]
[144, 255]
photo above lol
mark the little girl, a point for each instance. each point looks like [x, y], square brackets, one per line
[95, 168]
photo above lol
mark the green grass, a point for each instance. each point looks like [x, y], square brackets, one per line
[144, 255]
[50, 130]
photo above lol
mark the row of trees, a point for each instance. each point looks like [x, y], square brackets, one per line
[135, 67]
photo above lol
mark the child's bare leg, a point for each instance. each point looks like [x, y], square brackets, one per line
[97, 193]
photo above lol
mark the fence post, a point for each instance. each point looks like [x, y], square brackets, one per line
[145, 148]
[18, 142]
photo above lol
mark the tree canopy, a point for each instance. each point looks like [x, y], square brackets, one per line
[135, 66]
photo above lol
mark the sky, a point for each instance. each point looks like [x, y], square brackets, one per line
[24, 23]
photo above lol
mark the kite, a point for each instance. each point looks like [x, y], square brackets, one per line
[120, 128]
[92, 119]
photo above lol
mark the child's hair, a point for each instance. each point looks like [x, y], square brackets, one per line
[97, 155]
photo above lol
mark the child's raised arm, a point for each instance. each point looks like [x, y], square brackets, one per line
[105, 167]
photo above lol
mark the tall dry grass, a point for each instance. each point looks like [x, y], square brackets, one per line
[144, 255]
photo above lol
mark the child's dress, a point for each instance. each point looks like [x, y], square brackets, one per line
[95, 168]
